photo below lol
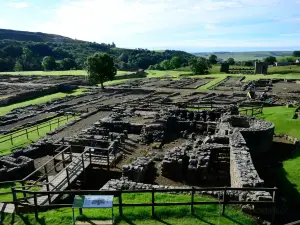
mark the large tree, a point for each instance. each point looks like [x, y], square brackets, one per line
[213, 59]
[231, 61]
[100, 68]
[48, 63]
[176, 62]
[200, 65]
[270, 60]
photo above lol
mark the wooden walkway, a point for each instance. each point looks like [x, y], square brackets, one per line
[63, 179]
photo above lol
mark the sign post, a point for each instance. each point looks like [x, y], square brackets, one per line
[92, 202]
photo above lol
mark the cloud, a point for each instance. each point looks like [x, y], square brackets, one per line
[139, 22]
[18, 5]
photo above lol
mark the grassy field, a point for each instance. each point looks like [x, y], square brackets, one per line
[6, 146]
[6, 109]
[56, 73]
[204, 214]
[289, 174]
[244, 56]
[284, 69]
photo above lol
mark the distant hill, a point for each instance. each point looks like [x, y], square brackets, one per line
[34, 37]
[22, 50]
[244, 56]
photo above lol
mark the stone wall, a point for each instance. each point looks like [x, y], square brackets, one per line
[140, 170]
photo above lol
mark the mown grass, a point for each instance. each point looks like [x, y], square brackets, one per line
[283, 69]
[6, 109]
[204, 214]
[289, 174]
[20, 137]
[56, 73]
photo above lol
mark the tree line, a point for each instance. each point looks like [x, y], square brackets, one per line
[33, 56]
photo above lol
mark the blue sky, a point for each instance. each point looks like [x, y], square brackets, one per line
[190, 25]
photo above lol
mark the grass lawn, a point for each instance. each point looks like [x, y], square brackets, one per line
[283, 69]
[56, 73]
[204, 214]
[6, 147]
[6, 109]
[289, 174]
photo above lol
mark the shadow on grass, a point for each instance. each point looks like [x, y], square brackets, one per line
[289, 189]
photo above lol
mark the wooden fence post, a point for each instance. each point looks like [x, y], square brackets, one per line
[63, 159]
[224, 202]
[192, 200]
[23, 188]
[36, 212]
[47, 184]
[274, 206]
[27, 133]
[11, 139]
[37, 129]
[83, 168]
[120, 204]
[58, 122]
[68, 176]
[15, 199]
[50, 125]
[153, 202]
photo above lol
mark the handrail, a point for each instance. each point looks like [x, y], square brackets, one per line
[42, 166]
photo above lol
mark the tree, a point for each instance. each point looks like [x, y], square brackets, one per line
[175, 62]
[67, 64]
[48, 63]
[166, 65]
[213, 59]
[296, 53]
[231, 61]
[270, 60]
[100, 68]
[200, 65]
[249, 63]
[18, 66]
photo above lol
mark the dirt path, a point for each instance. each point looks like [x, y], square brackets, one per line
[83, 124]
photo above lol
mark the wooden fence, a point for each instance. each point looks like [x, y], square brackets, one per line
[33, 129]
[118, 193]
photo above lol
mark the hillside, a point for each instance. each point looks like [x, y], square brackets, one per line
[24, 51]
[243, 56]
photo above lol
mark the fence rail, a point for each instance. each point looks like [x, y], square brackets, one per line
[118, 193]
[33, 129]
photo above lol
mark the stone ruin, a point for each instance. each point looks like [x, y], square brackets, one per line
[15, 168]
[223, 157]
[139, 170]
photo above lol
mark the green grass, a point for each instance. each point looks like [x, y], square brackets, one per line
[204, 214]
[56, 73]
[289, 174]
[6, 147]
[283, 69]
[6, 109]
[282, 117]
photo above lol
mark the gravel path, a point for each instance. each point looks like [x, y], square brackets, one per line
[83, 124]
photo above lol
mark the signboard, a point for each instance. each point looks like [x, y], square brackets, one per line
[93, 201]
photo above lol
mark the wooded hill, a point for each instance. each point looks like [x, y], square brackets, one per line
[21, 50]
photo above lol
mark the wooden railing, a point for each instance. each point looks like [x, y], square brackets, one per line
[118, 193]
[33, 129]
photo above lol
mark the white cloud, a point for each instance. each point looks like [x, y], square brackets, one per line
[18, 5]
[136, 22]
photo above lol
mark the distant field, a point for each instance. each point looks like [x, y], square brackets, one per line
[283, 69]
[41, 100]
[56, 73]
[243, 56]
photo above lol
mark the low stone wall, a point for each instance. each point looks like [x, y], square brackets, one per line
[139, 170]
[15, 168]
[242, 171]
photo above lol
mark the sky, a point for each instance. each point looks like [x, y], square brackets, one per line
[189, 25]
